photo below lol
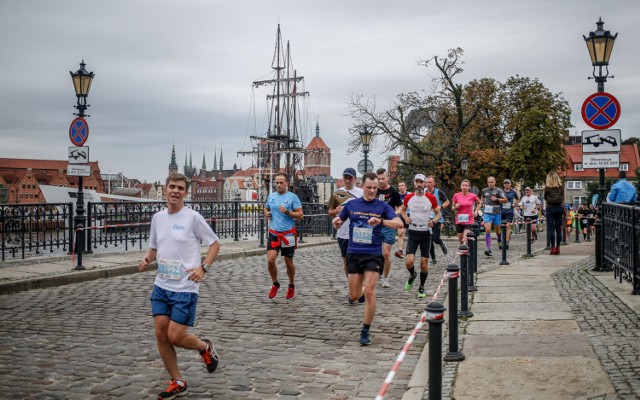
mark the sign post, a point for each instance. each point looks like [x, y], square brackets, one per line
[601, 149]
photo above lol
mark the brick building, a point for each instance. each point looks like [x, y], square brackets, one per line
[23, 177]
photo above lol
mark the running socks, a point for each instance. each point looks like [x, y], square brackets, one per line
[423, 277]
[487, 240]
[412, 271]
[276, 284]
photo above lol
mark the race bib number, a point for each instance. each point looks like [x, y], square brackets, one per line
[362, 235]
[463, 218]
[488, 209]
[170, 269]
[506, 206]
[291, 239]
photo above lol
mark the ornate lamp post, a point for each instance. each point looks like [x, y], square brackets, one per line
[365, 137]
[81, 84]
[600, 44]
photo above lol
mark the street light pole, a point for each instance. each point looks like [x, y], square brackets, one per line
[600, 44]
[81, 84]
[365, 137]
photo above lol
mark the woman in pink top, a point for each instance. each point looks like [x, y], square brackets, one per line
[463, 205]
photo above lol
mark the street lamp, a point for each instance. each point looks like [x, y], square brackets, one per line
[365, 137]
[464, 166]
[81, 84]
[600, 44]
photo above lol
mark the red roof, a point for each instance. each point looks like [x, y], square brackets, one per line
[317, 143]
[628, 155]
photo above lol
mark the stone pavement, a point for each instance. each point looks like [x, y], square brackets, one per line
[94, 338]
[547, 328]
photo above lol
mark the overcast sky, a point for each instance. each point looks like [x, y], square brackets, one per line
[181, 71]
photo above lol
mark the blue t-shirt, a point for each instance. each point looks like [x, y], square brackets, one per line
[364, 238]
[281, 222]
[511, 196]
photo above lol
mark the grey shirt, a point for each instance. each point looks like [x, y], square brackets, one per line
[492, 207]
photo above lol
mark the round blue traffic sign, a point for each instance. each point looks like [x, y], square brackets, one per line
[78, 131]
[600, 110]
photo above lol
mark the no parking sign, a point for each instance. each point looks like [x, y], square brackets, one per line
[601, 110]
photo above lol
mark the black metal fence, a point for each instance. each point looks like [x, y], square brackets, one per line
[621, 227]
[29, 230]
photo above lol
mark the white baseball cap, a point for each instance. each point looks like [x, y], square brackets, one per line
[419, 177]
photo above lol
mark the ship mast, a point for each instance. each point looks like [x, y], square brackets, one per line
[282, 136]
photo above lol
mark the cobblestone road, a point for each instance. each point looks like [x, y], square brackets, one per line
[612, 328]
[95, 339]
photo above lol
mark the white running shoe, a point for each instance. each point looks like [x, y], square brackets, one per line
[385, 282]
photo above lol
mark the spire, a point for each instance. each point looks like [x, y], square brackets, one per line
[317, 129]
[221, 162]
[204, 163]
[186, 163]
[173, 165]
[215, 159]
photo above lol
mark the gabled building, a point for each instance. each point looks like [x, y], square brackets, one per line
[23, 177]
[575, 178]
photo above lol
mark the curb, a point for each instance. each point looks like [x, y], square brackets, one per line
[99, 273]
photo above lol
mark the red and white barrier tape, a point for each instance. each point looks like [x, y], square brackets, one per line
[396, 365]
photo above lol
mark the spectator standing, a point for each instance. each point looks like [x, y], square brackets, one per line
[623, 191]
[554, 199]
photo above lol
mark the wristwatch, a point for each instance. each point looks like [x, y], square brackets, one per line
[206, 267]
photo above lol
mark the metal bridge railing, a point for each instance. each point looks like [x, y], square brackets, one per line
[621, 227]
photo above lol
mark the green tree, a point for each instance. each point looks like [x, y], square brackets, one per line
[513, 129]
[632, 140]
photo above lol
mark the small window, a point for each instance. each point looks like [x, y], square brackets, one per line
[578, 200]
[578, 167]
[574, 185]
[624, 167]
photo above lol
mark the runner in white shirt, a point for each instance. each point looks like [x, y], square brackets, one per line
[421, 205]
[530, 205]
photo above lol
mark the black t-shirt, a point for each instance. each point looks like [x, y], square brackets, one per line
[391, 196]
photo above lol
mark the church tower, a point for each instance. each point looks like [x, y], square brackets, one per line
[317, 156]
[173, 165]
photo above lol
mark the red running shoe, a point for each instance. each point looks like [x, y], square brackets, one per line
[291, 293]
[273, 291]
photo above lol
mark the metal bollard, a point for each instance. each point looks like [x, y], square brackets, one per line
[435, 317]
[528, 232]
[503, 238]
[262, 229]
[464, 287]
[453, 272]
[472, 261]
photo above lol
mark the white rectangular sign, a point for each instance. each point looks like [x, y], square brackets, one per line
[600, 161]
[78, 154]
[602, 141]
[78, 170]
